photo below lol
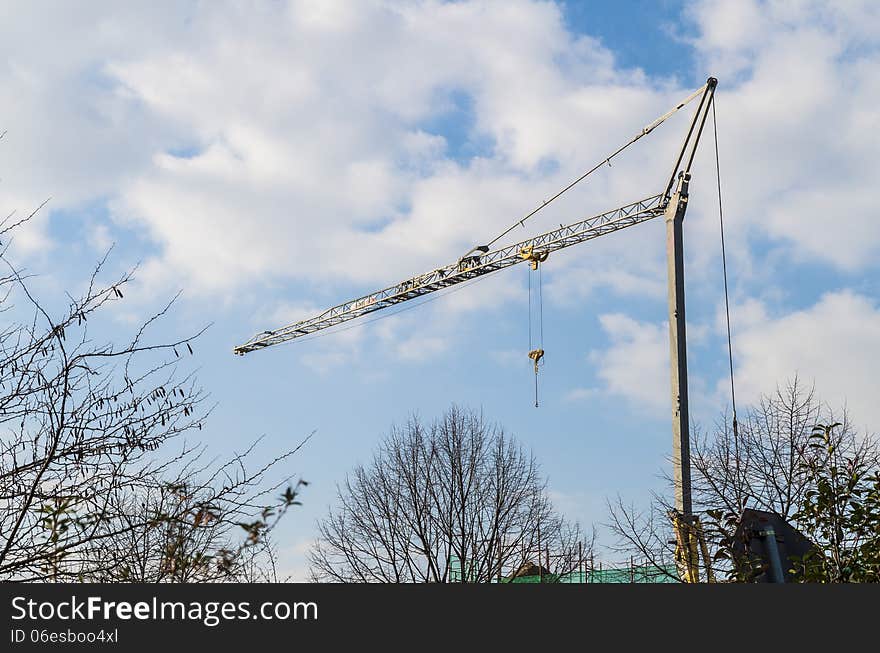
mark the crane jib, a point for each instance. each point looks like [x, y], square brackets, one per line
[465, 269]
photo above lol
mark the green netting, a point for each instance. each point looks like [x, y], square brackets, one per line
[646, 574]
[633, 574]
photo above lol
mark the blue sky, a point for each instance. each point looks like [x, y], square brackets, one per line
[274, 159]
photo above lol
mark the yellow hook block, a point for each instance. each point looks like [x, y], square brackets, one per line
[536, 355]
[529, 254]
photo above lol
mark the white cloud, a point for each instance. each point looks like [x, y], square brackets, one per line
[295, 148]
[636, 365]
[834, 342]
[580, 394]
[320, 168]
[70, 135]
[304, 128]
[798, 129]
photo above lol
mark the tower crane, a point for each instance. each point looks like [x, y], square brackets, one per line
[671, 203]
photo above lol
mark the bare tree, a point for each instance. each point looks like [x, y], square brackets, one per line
[209, 526]
[92, 484]
[763, 463]
[645, 534]
[453, 501]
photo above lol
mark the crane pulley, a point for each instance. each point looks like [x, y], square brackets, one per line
[528, 253]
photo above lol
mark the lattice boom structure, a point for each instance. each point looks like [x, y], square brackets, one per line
[463, 270]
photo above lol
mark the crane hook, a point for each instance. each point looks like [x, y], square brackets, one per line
[536, 355]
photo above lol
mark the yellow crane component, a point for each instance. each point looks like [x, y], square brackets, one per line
[536, 355]
[690, 544]
[529, 254]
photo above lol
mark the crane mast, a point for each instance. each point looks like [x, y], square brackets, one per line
[688, 530]
[480, 261]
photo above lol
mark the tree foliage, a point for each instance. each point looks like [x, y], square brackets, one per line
[822, 481]
[840, 512]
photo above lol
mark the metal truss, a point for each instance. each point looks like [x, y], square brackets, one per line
[465, 269]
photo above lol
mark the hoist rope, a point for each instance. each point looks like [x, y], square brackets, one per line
[536, 390]
[540, 307]
[536, 316]
[607, 160]
[724, 269]
[530, 310]
[539, 324]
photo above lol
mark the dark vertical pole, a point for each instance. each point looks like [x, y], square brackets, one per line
[500, 558]
[775, 573]
[540, 568]
[580, 562]
[681, 456]
[463, 559]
